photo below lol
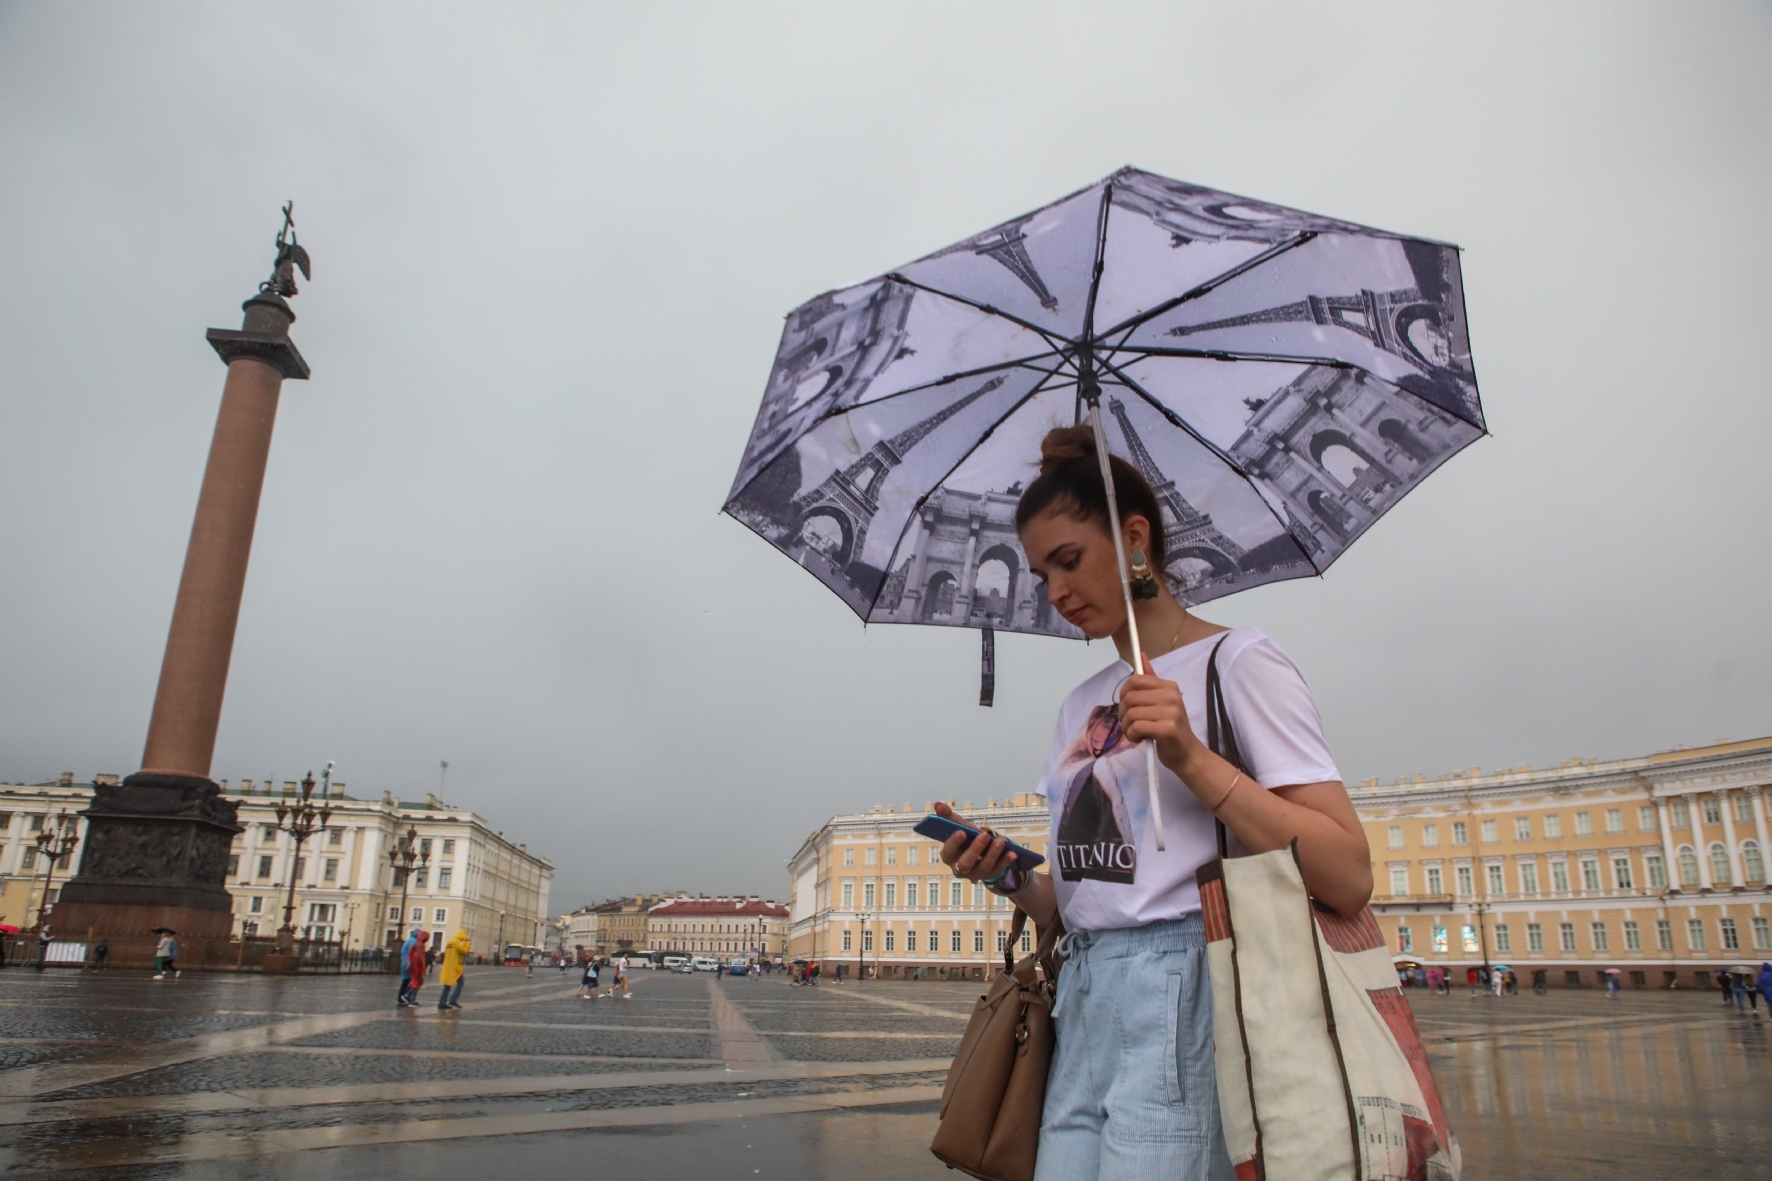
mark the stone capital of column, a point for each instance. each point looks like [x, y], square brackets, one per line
[273, 348]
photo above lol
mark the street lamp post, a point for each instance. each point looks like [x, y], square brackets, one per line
[301, 821]
[54, 843]
[406, 856]
[861, 952]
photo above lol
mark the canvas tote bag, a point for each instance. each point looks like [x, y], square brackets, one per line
[990, 1108]
[1321, 1072]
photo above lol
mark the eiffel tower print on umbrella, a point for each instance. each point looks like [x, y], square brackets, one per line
[1281, 379]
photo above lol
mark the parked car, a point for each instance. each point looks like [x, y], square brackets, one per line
[705, 963]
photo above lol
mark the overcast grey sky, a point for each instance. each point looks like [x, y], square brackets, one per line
[553, 246]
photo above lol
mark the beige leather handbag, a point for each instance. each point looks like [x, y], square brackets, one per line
[990, 1108]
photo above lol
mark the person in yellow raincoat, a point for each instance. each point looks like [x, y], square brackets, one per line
[455, 953]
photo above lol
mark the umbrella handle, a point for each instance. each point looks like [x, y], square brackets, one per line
[1113, 502]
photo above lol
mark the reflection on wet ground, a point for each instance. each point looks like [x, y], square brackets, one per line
[118, 1076]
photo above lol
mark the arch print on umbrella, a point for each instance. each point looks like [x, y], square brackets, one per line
[1281, 379]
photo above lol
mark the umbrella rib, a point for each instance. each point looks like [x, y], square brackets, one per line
[1241, 268]
[1175, 419]
[1281, 359]
[924, 499]
[1019, 363]
[1101, 220]
[1232, 355]
[1057, 342]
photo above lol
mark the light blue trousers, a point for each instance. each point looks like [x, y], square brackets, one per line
[1132, 1094]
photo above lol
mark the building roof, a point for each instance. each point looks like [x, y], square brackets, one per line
[720, 906]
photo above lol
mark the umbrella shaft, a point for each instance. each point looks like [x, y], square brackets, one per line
[1137, 659]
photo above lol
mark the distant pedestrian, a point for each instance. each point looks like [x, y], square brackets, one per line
[44, 939]
[1764, 981]
[621, 978]
[101, 955]
[1612, 985]
[1513, 982]
[1738, 987]
[416, 963]
[1472, 978]
[587, 985]
[455, 955]
[163, 953]
[1540, 981]
[812, 975]
[1723, 984]
[406, 967]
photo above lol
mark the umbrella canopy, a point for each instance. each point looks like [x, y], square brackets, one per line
[1281, 379]
[162, 931]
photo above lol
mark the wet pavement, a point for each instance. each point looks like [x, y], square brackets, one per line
[213, 1076]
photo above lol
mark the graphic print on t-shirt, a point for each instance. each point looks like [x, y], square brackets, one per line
[1096, 839]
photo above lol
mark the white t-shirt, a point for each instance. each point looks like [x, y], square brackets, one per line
[1104, 859]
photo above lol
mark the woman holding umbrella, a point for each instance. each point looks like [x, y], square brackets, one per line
[1133, 1091]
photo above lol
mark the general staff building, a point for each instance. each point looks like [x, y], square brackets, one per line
[1655, 866]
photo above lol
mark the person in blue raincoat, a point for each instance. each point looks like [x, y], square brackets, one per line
[1764, 982]
[405, 970]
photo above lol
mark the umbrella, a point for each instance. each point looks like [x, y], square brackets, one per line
[8, 929]
[1743, 970]
[1614, 972]
[162, 931]
[1281, 379]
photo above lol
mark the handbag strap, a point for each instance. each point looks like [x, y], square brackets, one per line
[1048, 939]
[1221, 736]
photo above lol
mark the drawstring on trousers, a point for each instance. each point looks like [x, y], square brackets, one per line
[1072, 949]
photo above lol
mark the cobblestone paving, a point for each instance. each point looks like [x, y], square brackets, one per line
[212, 1077]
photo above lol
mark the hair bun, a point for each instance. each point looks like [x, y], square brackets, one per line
[1065, 445]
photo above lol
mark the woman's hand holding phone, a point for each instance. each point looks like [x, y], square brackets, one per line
[973, 858]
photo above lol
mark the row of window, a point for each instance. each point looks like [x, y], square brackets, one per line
[888, 896]
[1599, 937]
[335, 837]
[1489, 831]
[329, 871]
[1495, 876]
[702, 945]
[910, 855]
[30, 860]
[932, 942]
[327, 912]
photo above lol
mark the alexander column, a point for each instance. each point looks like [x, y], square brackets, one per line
[157, 844]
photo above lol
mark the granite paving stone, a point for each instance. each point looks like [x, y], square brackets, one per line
[1570, 1085]
[257, 1071]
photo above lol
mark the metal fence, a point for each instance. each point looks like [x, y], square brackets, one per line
[234, 955]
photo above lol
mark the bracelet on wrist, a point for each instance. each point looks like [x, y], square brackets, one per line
[1227, 793]
[1006, 881]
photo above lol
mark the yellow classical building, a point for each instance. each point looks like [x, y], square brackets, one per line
[1655, 866]
[869, 894]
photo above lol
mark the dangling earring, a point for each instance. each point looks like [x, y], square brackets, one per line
[1144, 580]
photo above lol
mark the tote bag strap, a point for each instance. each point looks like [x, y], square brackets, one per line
[1221, 737]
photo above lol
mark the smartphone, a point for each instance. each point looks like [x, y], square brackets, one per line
[940, 828]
